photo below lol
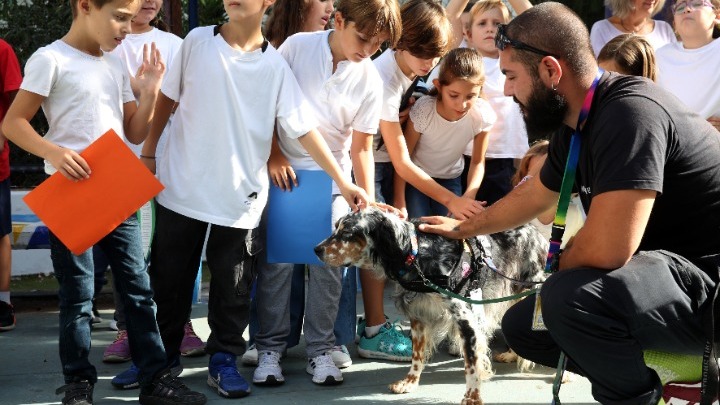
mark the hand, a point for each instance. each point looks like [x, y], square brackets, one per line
[389, 209]
[281, 173]
[69, 163]
[150, 163]
[150, 73]
[404, 114]
[444, 226]
[464, 207]
[356, 197]
[715, 121]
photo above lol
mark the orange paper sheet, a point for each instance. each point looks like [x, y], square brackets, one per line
[81, 213]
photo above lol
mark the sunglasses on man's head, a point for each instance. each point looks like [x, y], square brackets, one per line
[682, 5]
[502, 40]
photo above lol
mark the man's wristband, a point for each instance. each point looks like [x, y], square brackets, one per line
[147, 157]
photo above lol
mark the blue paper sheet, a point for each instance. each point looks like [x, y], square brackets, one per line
[298, 220]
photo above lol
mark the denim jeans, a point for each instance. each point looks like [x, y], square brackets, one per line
[418, 204]
[75, 275]
[384, 179]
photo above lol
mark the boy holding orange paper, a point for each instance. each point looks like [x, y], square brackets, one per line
[83, 94]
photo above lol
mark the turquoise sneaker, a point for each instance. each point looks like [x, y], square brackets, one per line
[389, 344]
[360, 330]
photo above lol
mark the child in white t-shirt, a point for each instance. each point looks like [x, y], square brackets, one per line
[344, 90]
[689, 69]
[232, 88]
[442, 124]
[83, 94]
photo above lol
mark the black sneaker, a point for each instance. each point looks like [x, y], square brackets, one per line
[77, 393]
[169, 390]
[7, 317]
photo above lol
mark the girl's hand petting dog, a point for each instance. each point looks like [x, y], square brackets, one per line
[390, 209]
[356, 197]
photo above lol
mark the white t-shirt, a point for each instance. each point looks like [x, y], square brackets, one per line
[395, 84]
[214, 166]
[439, 151]
[130, 51]
[603, 31]
[84, 94]
[344, 101]
[692, 75]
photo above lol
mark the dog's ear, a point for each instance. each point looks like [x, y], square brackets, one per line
[387, 240]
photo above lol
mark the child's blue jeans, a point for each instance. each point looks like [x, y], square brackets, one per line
[420, 205]
[75, 275]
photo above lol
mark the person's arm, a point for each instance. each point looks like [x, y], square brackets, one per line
[454, 11]
[363, 162]
[715, 121]
[11, 97]
[394, 139]
[612, 232]
[281, 172]
[138, 117]
[315, 145]
[163, 108]
[520, 6]
[476, 171]
[17, 128]
[519, 207]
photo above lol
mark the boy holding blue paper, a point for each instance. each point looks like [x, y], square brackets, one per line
[83, 93]
[232, 87]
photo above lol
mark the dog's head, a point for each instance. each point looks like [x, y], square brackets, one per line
[366, 239]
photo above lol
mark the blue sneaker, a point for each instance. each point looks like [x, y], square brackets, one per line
[223, 375]
[129, 379]
[389, 344]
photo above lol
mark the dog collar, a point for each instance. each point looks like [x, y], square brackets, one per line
[410, 259]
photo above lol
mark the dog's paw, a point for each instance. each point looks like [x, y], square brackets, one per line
[407, 384]
[507, 357]
[472, 397]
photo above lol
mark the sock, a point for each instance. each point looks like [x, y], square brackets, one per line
[5, 296]
[371, 331]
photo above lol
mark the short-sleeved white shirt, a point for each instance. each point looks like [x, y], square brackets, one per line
[603, 31]
[692, 75]
[343, 101]
[84, 94]
[214, 167]
[439, 151]
[130, 52]
[395, 84]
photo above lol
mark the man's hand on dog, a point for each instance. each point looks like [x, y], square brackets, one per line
[445, 226]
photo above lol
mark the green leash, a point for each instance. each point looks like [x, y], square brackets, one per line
[449, 293]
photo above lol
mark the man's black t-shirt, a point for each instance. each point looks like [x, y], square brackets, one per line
[638, 136]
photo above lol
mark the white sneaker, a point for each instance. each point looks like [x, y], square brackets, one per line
[250, 357]
[341, 356]
[324, 370]
[268, 371]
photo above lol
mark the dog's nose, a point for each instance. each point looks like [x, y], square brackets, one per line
[318, 251]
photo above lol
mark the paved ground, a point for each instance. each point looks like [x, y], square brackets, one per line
[30, 373]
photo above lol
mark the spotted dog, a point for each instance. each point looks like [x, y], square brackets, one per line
[394, 248]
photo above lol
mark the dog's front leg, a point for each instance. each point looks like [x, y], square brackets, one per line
[474, 344]
[412, 379]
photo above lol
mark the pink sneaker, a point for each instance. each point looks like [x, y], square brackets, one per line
[119, 350]
[191, 345]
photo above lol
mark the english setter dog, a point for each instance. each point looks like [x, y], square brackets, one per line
[392, 247]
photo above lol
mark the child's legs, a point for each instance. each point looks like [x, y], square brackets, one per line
[344, 329]
[384, 175]
[174, 257]
[123, 249]
[497, 180]
[454, 185]
[231, 275]
[274, 281]
[75, 279]
[297, 305]
[324, 289]
[5, 229]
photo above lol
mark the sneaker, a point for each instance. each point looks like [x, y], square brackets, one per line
[119, 350]
[389, 344]
[130, 378]
[96, 318]
[113, 325]
[191, 345]
[360, 330]
[7, 317]
[166, 389]
[77, 393]
[224, 376]
[268, 371]
[250, 357]
[341, 356]
[324, 370]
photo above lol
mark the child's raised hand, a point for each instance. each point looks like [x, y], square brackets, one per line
[69, 163]
[150, 73]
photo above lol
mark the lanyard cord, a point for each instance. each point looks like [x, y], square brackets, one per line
[558, 228]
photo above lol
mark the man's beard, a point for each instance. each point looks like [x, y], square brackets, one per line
[543, 113]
